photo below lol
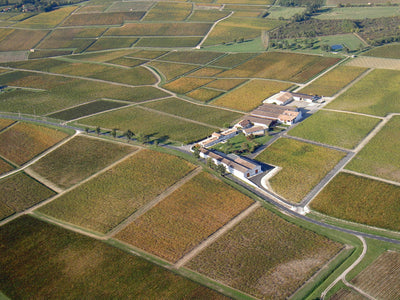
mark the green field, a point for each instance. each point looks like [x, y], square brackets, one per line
[250, 95]
[186, 217]
[19, 39]
[276, 12]
[19, 192]
[209, 115]
[265, 256]
[168, 42]
[46, 261]
[117, 18]
[373, 94]
[207, 15]
[358, 13]
[386, 51]
[160, 29]
[86, 109]
[333, 81]
[334, 128]
[282, 66]
[78, 159]
[303, 166]
[47, 19]
[23, 141]
[172, 70]
[360, 200]
[112, 43]
[127, 61]
[232, 60]
[204, 94]
[192, 57]
[150, 123]
[108, 199]
[380, 156]
[172, 11]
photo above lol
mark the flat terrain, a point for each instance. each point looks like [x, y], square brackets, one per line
[386, 51]
[23, 141]
[19, 192]
[380, 156]
[186, 217]
[373, 94]
[156, 125]
[333, 81]
[250, 257]
[303, 166]
[360, 200]
[334, 128]
[78, 159]
[380, 279]
[259, 90]
[106, 200]
[5, 167]
[63, 264]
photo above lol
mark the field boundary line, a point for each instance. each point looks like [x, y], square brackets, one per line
[353, 113]
[371, 177]
[141, 211]
[213, 237]
[44, 181]
[316, 143]
[198, 46]
[345, 272]
[178, 117]
[44, 202]
[35, 159]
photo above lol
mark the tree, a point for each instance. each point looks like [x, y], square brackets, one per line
[98, 130]
[114, 132]
[87, 129]
[129, 134]
[196, 152]
[221, 169]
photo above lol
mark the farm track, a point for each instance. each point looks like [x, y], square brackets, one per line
[153, 203]
[43, 180]
[372, 177]
[212, 238]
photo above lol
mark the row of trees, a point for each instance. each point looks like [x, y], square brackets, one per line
[140, 137]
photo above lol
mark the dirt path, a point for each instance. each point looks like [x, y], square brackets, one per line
[353, 113]
[343, 275]
[211, 29]
[43, 180]
[372, 177]
[216, 235]
[153, 203]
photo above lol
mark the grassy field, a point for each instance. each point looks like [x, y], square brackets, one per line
[160, 29]
[386, 51]
[303, 166]
[184, 85]
[18, 192]
[236, 28]
[225, 84]
[172, 70]
[169, 12]
[207, 72]
[127, 61]
[86, 109]
[380, 279]
[186, 217]
[62, 93]
[282, 66]
[336, 2]
[5, 123]
[112, 43]
[128, 6]
[20, 39]
[250, 257]
[358, 13]
[207, 15]
[147, 54]
[333, 81]
[46, 261]
[204, 94]
[78, 159]
[105, 201]
[154, 125]
[192, 57]
[233, 59]
[334, 128]
[5, 167]
[117, 18]
[277, 12]
[23, 141]
[48, 53]
[236, 143]
[360, 200]
[251, 94]
[169, 42]
[209, 115]
[380, 86]
[102, 56]
[380, 156]
[47, 19]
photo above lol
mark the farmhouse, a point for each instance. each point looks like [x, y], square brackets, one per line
[282, 114]
[255, 130]
[216, 137]
[285, 97]
[234, 164]
[305, 97]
